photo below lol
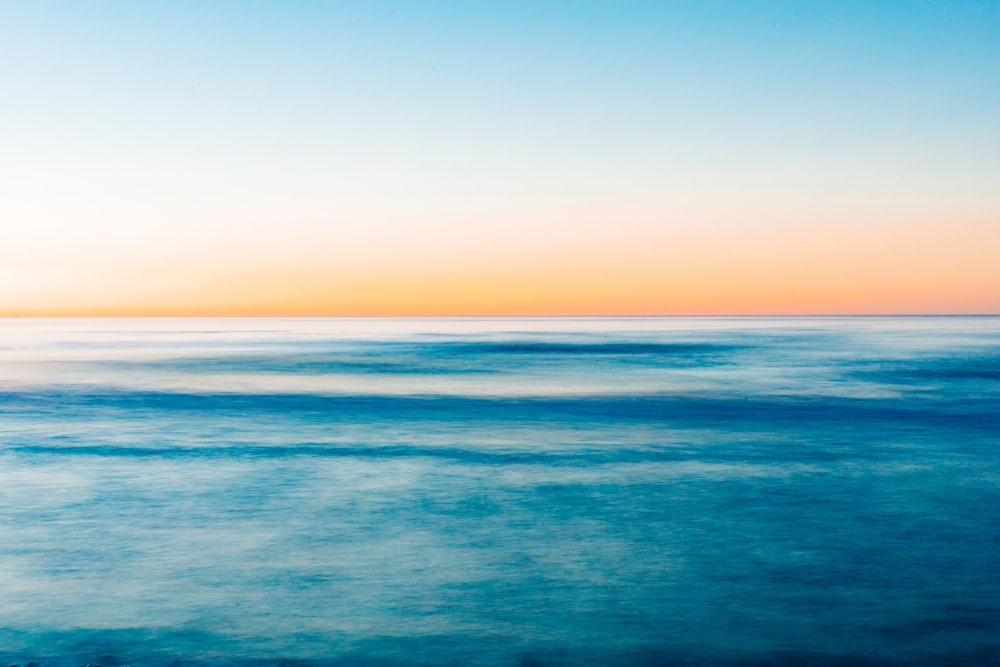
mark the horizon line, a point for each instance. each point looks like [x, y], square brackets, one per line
[494, 316]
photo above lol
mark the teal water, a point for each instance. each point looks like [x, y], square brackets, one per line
[783, 491]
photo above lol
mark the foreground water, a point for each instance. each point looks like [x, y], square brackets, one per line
[500, 492]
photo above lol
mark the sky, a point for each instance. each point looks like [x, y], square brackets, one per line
[499, 158]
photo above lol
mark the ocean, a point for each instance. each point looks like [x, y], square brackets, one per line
[646, 491]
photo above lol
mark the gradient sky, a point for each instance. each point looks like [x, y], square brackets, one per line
[418, 158]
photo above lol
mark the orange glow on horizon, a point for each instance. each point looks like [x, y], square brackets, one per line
[643, 268]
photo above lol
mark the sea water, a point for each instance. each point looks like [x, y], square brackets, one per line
[500, 491]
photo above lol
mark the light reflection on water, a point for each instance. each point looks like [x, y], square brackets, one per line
[634, 491]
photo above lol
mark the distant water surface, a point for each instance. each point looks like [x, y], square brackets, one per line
[678, 491]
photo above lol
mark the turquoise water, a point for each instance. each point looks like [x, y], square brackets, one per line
[500, 491]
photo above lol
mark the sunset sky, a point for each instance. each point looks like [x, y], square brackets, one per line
[507, 158]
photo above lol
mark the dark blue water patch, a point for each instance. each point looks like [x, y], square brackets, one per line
[815, 454]
[976, 413]
[437, 358]
[588, 348]
[464, 651]
[971, 365]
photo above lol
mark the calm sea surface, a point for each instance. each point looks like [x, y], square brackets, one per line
[500, 492]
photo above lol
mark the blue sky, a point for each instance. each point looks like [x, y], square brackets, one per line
[246, 117]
